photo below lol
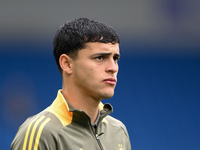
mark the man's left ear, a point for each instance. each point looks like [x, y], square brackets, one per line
[66, 63]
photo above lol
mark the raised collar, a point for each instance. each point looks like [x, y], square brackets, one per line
[64, 111]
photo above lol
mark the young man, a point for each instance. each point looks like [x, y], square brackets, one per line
[86, 53]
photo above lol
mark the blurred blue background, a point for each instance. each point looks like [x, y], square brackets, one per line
[158, 91]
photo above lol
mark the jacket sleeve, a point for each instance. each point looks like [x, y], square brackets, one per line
[35, 135]
[128, 143]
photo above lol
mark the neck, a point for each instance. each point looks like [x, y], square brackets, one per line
[78, 101]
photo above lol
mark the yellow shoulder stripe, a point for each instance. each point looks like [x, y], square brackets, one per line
[39, 133]
[32, 134]
[27, 133]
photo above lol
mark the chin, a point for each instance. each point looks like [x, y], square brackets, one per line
[107, 95]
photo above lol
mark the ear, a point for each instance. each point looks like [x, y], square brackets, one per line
[66, 63]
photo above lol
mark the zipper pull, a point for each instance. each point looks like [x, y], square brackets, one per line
[97, 135]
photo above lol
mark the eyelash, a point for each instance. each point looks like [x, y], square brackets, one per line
[99, 57]
[103, 57]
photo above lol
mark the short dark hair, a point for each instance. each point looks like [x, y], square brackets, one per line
[73, 35]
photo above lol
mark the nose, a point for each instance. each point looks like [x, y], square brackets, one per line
[112, 66]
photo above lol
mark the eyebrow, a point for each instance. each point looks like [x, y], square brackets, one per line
[106, 54]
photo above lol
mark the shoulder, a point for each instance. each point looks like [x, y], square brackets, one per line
[113, 121]
[116, 123]
[38, 131]
[118, 129]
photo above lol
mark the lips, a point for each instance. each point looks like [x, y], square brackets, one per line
[110, 81]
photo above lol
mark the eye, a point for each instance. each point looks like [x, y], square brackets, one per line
[99, 58]
[116, 58]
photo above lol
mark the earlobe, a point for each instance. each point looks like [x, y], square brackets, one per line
[65, 63]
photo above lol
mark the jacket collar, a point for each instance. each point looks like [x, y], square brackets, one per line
[65, 110]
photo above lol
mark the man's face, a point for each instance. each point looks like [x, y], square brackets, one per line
[95, 70]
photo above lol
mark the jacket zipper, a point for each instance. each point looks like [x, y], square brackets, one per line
[96, 136]
[98, 141]
[95, 132]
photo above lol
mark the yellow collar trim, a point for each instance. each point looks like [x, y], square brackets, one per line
[60, 108]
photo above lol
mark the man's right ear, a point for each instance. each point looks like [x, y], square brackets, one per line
[66, 63]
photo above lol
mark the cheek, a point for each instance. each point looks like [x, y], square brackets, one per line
[87, 72]
[84, 73]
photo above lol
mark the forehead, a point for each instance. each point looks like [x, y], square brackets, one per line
[94, 47]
